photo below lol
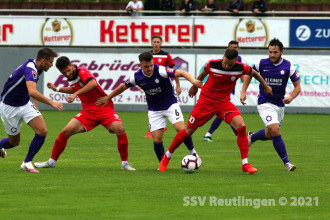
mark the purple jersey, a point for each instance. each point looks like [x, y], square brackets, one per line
[276, 76]
[157, 87]
[15, 92]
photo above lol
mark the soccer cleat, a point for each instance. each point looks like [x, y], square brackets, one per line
[249, 134]
[28, 167]
[148, 135]
[207, 138]
[249, 168]
[199, 160]
[127, 167]
[290, 167]
[3, 153]
[43, 165]
[164, 163]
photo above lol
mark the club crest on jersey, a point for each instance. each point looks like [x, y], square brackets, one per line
[156, 80]
[159, 60]
[282, 72]
[233, 78]
[34, 74]
[81, 84]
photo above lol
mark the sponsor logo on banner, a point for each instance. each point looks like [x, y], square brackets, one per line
[56, 32]
[251, 32]
[310, 33]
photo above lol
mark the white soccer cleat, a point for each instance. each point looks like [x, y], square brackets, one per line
[249, 134]
[28, 167]
[43, 165]
[290, 167]
[127, 167]
[199, 160]
[3, 153]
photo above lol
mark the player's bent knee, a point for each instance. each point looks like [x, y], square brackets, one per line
[42, 132]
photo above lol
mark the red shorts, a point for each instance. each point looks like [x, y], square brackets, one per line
[89, 119]
[204, 111]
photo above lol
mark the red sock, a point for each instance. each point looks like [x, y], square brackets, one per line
[178, 139]
[243, 142]
[59, 146]
[123, 146]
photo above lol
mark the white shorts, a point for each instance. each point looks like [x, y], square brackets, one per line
[157, 119]
[12, 117]
[271, 114]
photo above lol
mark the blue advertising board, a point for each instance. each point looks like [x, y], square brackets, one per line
[310, 33]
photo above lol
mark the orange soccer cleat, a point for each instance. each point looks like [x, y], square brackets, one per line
[249, 168]
[163, 163]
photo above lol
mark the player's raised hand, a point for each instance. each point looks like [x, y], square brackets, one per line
[103, 100]
[51, 86]
[192, 91]
[57, 105]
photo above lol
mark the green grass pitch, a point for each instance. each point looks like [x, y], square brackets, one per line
[88, 182]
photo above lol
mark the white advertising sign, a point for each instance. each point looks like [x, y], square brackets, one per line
[125, 31]
[312, 70]
[111, 70]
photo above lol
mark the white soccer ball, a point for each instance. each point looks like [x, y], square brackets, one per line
[190, 164]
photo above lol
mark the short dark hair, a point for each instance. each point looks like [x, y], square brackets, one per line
[233, 42]
[157, 36]
[62, 62]
[46, 53]
[231, 53]
[276, 42]
[145, 56]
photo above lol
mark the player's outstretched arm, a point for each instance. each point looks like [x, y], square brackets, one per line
[189, 77]
[35, 94]
[68, 90]
[258, 77]
[294, 94]
[193, 90]
[106, 99]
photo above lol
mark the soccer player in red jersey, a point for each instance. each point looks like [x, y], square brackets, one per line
[215, 100]
[84, 85]
[162, 58]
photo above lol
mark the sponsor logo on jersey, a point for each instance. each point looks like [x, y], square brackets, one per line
[34, 74]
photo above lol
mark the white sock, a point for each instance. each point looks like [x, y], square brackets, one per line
[193, 151]
[208, 134]
[52, 162]
[168, 154]
[244, 161]
[123, 163]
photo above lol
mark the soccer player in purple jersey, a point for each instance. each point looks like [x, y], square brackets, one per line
[16, 106]
[276, 71]
[161, 101]
[217, 121]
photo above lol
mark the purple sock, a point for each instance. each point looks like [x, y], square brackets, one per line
[35, 146]
[280, 148]
[215, 124]
[4, 143]
[189, 143]
[159, 150]
[260, 135]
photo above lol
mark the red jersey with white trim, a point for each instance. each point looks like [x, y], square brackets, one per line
[163, 59]
[88, 99]
[221, 82]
